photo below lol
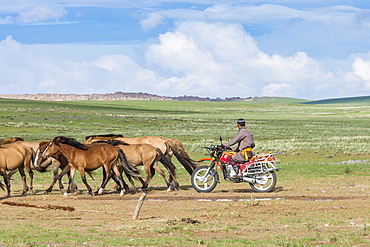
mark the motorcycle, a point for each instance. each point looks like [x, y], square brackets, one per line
[259, 172]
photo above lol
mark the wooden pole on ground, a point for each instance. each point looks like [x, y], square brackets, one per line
[138, 206]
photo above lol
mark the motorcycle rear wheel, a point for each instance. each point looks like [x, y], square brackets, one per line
[202, 182]
[269, 180]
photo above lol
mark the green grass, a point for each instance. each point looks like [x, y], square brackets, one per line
[287, 127]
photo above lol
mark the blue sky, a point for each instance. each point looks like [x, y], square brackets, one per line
[311, 49]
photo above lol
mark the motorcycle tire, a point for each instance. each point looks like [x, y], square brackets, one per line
[203, 183]
[269, 185]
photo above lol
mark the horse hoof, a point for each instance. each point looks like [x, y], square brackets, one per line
[100, 191]
[122, 193]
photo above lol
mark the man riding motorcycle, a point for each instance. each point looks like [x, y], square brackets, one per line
[243, 150]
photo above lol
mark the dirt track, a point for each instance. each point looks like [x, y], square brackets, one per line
[328, 207]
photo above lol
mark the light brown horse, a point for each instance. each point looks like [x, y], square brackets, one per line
[91, 157]
[147, 156]
[168, 147]
[41, 164]
[15, 156]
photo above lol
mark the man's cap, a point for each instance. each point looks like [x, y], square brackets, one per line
[241, 121]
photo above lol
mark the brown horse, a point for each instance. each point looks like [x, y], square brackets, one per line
[168, 147]
[147, 156]
[16, 156]
[91, 157]
[58, 161]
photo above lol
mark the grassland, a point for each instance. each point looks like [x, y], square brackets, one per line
[291, 128]
[325, 155]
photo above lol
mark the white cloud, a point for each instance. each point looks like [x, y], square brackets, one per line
[281, 90]
[152, 21]
[222, 59]
[361, 68]
[41, 13]
[24, 71]
[34, 13]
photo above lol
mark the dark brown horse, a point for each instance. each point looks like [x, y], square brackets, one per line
[15, 156]
[91, 157]
[147, 156]
[168, 147]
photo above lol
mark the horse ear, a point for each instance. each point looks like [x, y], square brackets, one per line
[56, 140]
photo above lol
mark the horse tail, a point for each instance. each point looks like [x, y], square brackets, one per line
[170, 167]
[127, 167]
[178, 150]
[33, 157]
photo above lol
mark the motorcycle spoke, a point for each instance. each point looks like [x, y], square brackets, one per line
[266, 182]
[203, 180]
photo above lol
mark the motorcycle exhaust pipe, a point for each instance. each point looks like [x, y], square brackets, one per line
[250, 180]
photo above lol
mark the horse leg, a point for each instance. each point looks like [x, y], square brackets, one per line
[120, 169]
[149, 170]
[83, 177]
[30, 173]
[7, 183]
[24, 180]
[171, 184]
[107, 174]
[12, 172]
[57, 177]
[101, 189]
[56, 165]
[70, 180]
[169, 157]
[132, 181]
[122, 183]
[74, 185]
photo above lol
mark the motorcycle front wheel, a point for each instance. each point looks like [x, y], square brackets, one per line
[266, 183]
[203, 182]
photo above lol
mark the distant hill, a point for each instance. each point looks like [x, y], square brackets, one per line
[146, 96]
[362, 99]
[110, 96]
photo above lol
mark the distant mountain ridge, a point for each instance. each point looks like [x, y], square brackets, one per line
[110, 96]
[146, 96]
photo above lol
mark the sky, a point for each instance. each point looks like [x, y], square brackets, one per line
[308, 49]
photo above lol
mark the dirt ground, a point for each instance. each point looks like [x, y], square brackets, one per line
[324, 212]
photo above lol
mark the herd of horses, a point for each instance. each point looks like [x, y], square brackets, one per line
[118, 156]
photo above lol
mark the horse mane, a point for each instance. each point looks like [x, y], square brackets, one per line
[11, 140]
[69, 141]
[107, 135]
[113, 142]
